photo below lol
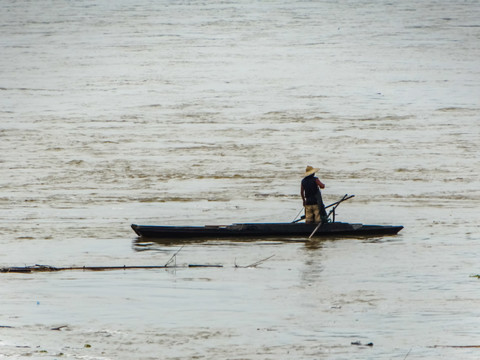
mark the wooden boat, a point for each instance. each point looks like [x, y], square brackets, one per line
[256, 230]
[261, 230]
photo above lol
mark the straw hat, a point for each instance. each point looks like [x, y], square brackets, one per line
[310, 170]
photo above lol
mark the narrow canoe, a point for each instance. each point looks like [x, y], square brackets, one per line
[333, 229]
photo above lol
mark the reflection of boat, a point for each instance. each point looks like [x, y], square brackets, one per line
[257, 230]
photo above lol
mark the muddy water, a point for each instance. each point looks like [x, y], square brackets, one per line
[193, 113]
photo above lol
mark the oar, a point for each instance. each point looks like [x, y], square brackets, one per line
[299, 219]
[294, 219]
[335, 204]
[320, 223]
[346, 197]
[314, 231]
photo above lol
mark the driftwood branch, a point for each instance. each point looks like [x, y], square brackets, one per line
[457, 346]
[48, 268]
[174, 257]
[200, 266]
[255, 264]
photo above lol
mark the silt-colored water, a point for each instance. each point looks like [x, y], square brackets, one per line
[158, 112]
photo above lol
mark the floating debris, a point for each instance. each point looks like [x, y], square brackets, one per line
[255, 264]
[48, 268]
[59, 328]
[457, 346]
[358, 343]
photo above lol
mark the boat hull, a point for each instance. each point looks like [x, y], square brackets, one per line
[263, 230]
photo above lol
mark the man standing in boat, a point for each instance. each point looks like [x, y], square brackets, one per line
[312, 197]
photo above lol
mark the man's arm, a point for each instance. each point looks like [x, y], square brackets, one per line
[320, 184]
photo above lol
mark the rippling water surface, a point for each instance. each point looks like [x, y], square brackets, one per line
[159, 112]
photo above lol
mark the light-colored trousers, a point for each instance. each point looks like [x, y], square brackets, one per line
[312, 214]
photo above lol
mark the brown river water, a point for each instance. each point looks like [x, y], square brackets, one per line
[193, 113]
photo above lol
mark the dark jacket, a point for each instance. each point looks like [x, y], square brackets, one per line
[310, 187]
